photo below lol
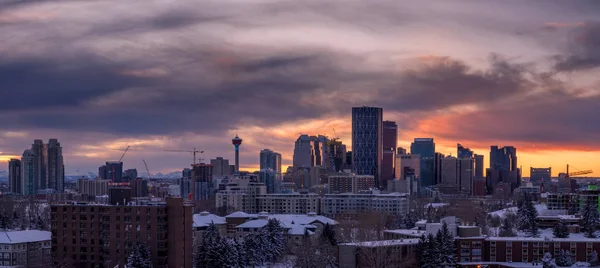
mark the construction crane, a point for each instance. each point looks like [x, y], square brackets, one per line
[577, 173]
[126, 149]
[147, 170]
[194, 151]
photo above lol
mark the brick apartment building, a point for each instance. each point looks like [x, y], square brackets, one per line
[93, 235]
[523, 249]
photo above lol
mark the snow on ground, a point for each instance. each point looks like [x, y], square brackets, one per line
[542, 210]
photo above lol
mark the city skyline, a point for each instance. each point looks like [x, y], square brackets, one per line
[517, 74]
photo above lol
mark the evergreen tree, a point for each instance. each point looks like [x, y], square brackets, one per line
[560, 230]
[506, 229]
[574, 209]
[447, 249]
[275, 237]
[5, 222]
[526, 216]
[594, 259]
[207, 253]
[329, 234]
[590, 218]
[547, 261]
[433, 247]
[422, 252]
[139, 257]
[256, 249]
[522, 217]
[532, 216]
[16, 221]
[564, 259]
[410, 220]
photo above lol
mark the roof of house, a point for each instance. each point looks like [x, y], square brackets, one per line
[238, 214]
[203, 220]
[16, 237]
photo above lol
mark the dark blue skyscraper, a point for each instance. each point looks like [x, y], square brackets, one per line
[463, 152]
[367, 146]
[425, 147]
[504, 158]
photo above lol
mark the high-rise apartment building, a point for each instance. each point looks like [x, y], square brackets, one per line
[400, 150]
[479, 167]
[450, 171]
[89, 235]
[304, 152]
[97, 187]
[113, 171]
[425, 147]
[202, 181]
[336, 154]
[270, 160]
[28, 173]
[14, 176]
[367, 145]
[40, 151]
[271, 179]
[220, 167]
[55, 166]
[390, 142]
[130, 174]
[310, 151]
[537, 176]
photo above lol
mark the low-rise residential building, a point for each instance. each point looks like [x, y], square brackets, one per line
[30, 248]
[335, 205]
[384, 253]
[292, 203]
[350, 183]
[203, 220]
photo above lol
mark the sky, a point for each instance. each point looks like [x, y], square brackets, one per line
[161, 75]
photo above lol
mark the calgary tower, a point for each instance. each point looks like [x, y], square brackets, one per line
[236, 143]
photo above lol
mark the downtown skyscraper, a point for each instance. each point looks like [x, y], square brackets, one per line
[55, 165]
[367, 142]
[425, 148]
[390, 142]
[270, 160]
[14, 176]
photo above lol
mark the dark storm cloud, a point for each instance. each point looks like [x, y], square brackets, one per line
[584, 49]
[450, 82]
[38, 83]
[565, 122]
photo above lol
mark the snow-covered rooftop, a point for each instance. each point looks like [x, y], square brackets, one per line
[410, 232]
[546, 235]
[204, 219]
[294, 228]
[17, 237]
[437, 205]
[238, 214]
[542, 209]
[384, 243]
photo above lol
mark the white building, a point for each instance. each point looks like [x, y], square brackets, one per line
[292, 203]
[240, 195]
[29, 248]
[345, 204]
